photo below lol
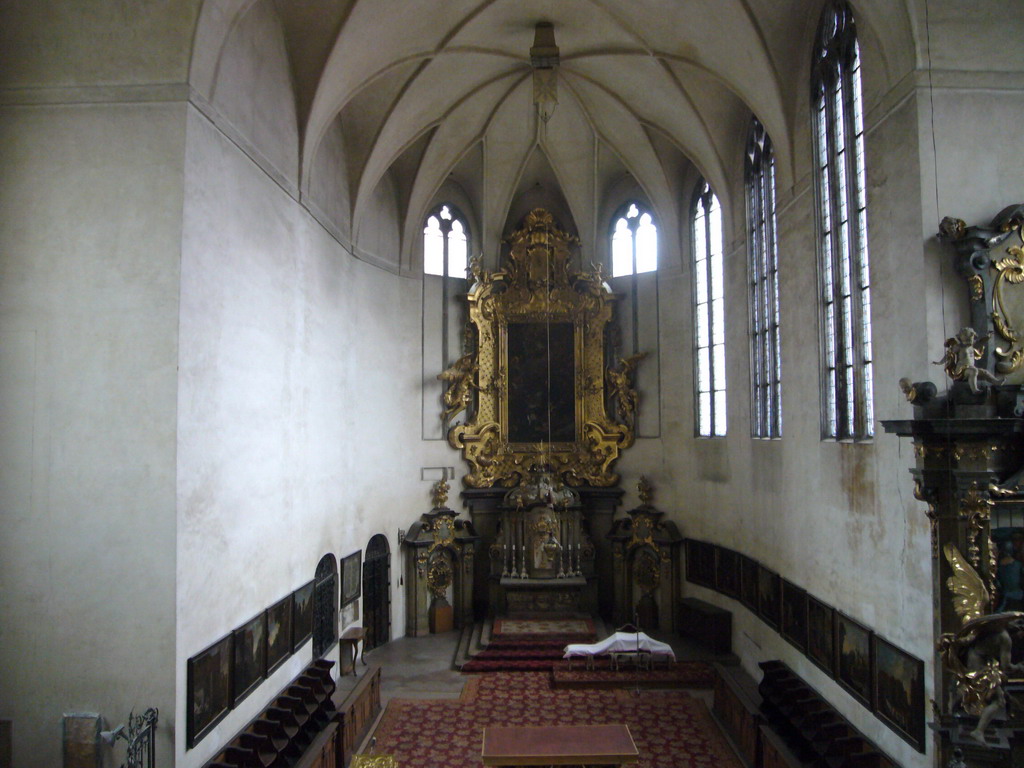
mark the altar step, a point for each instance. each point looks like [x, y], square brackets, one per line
[480, 639]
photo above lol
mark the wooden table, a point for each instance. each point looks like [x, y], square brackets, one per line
[351, 638]
[558, 745]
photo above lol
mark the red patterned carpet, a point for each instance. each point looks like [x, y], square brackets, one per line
[679, 674]
[671, 728]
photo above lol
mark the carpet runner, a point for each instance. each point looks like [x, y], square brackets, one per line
[529, 645]
[671, 728]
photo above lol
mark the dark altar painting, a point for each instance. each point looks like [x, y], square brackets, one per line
[541, 383]
[302, 618]
[768, 596]
[728, 578]
[794, 614]
[899, 692]
[209, 689]
[1009, 543]
[821, 634]
[279, 633]
[853, 658]
[250, 649]
[748, 582]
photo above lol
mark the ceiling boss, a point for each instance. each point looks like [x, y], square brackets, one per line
[537, 389]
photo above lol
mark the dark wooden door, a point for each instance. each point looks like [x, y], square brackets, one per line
[377, 593]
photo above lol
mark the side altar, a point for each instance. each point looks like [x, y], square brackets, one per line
[547, 408]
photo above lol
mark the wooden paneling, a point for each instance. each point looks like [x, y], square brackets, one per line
[737, 706]
[357, 713]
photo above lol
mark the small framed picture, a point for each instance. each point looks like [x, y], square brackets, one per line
[768, 596]
[351, 577]
[302, 615]
[250, 657]
[853, 658]
[821, 627]
[794, 614]
[899, 691]
[748, 582]
[209, 689]
[728, 572]
[279, 633]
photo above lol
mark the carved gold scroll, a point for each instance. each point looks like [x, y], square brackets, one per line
[540, 367]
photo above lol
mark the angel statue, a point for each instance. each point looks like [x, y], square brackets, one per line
[979, 653]
[960, 360]
[460, 385]
[621, 384]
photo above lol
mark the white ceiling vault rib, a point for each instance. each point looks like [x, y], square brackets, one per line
[429, 99]
[403, 90]
[452, 140]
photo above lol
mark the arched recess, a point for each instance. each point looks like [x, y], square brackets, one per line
[325, 605]
[539, 187]
[376, 592]
[243, 81]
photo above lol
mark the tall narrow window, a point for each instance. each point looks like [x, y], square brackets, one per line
[847, 411]
[445, 258]
[765, 364]
[634, 242]
[444, 244]
[709, 313]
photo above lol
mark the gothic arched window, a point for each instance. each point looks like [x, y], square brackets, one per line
[765, 361]
[445, 243]
[847, 411]
[709, 312]
[634, 241]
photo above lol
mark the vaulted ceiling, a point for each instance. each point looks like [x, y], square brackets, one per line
[395, 102]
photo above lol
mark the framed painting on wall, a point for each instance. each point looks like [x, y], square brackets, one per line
[768, 596]
[302, 615]
[351, 577]
[794, 614]
[821, 627]
[279, 633]
[250, 657]
[209, 689]
[899, 691]
[728, 572]
[748, 582]
[853, 658]
[700, 563]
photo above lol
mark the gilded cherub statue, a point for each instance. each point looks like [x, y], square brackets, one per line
[960, 360]
[979, 653]
[460, 378]
[620, 382]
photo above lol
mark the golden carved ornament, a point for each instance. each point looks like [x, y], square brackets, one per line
[977, 286]
[645, 490]
[440, 493]
[538, 288]
[1010, 271]
[976, 509]
[647, 570]
[373, 761]
[439, 576]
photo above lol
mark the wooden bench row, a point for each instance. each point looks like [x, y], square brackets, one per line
[784, 723]
[308, 725]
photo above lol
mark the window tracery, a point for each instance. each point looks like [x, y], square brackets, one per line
[765, 345]
[709, 312]
[847, 409]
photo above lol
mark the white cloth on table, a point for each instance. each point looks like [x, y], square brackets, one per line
[620, 642]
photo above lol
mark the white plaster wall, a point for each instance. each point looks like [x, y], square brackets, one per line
[298, 407]
[90, 222]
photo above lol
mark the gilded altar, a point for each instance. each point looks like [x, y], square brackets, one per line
[534, 384]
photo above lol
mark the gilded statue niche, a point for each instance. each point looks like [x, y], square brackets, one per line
[538, 374]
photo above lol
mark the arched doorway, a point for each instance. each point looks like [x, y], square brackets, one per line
[377, 592]
[325, 605]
